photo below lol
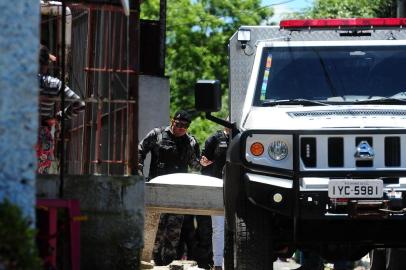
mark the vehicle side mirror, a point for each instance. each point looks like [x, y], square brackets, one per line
[208, 96]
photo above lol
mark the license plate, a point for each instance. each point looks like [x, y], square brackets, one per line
[341, 188]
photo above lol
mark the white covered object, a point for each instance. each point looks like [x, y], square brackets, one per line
[188, 179]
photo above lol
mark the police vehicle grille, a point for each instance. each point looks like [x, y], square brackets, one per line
[338, 152]
[348, 113]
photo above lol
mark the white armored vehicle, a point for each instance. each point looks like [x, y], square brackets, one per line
[318, 160]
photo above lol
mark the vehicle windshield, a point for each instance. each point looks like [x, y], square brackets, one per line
[331, 75]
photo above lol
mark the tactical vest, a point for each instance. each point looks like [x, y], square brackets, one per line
[171, 153]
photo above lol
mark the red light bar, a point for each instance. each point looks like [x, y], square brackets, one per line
[343, 23]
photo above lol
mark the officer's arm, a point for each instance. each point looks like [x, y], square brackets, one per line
[194, 159]
[209, 147]
[146, 146]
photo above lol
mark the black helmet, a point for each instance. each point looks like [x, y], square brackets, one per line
[182, 116]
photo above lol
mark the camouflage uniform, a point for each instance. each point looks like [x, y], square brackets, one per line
[169, 154]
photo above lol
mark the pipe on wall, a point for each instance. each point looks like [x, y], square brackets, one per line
[54, 8]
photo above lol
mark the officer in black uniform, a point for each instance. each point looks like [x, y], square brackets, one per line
[172, 151]
[214, 153]
[213, 160]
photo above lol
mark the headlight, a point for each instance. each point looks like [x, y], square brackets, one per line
[269, 149]
[278, 150]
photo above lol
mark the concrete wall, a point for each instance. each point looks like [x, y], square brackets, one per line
[19, 44]
[112, 235]
[153, 106]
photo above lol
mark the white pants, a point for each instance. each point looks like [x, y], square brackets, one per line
[218, 239]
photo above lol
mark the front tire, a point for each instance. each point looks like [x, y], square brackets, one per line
[228, 247]
[253, 241]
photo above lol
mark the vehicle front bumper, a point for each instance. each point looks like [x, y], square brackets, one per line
[311, 200]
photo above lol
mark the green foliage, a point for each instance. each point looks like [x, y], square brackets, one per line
[150, 10]
[350, 9]
[197, 37]
[17, 246]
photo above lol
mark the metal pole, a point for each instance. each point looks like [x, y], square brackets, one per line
[162, 36]
[62, 161]
[133, 63]
[88, 123]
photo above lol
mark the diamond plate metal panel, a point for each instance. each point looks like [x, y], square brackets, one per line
[241, 65]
